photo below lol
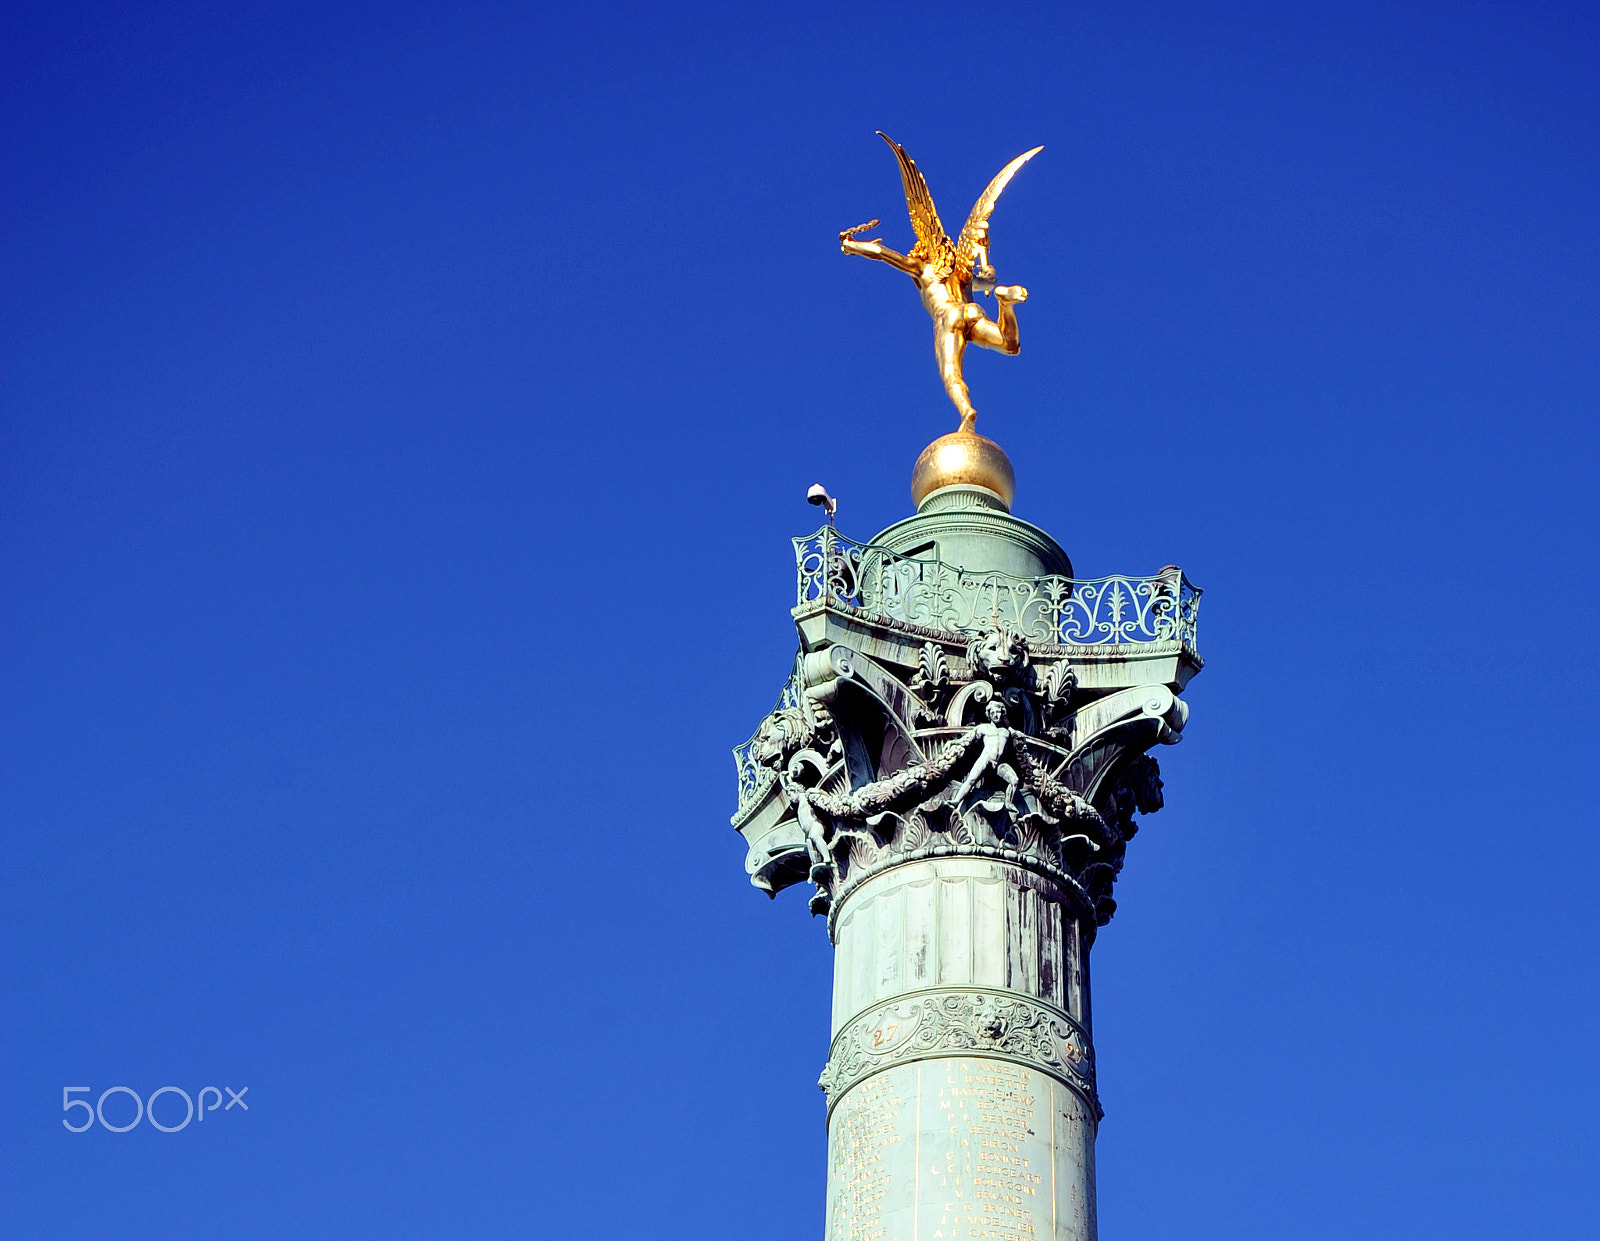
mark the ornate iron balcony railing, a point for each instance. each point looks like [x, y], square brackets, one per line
[1106, 611]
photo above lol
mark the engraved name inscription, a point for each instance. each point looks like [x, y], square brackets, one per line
[864, 1130]
[985, 1172]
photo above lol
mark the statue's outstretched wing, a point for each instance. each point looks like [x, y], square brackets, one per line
[924, 219]
[975, 235]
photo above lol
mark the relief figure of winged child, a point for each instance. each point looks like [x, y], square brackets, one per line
[947, 271]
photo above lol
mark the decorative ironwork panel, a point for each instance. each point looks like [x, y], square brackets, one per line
[1107, 611]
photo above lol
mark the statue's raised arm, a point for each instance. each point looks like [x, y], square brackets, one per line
[875, 249]
[947, 271]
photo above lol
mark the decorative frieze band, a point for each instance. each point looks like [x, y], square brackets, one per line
[995, 1024]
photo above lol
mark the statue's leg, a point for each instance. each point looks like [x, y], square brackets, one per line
[949, 344]
[1008, 773]
[816, 846]
[967, 785]
[1001, 336]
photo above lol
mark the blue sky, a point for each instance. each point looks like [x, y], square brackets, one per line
[403, 414]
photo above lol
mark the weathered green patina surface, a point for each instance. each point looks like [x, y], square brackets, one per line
[955, 765]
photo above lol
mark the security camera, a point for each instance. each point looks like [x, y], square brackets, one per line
[819, 495]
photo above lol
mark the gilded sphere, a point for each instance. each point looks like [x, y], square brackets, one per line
[963, 457]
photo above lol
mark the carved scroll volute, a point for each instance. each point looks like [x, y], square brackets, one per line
[969, 699]
[871, 708]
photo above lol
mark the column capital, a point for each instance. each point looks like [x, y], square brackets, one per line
[937, 712]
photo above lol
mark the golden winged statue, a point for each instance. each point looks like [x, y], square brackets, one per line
[947, 271]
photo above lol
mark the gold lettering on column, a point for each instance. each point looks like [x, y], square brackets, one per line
[990, 1187]
[863, 1129]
